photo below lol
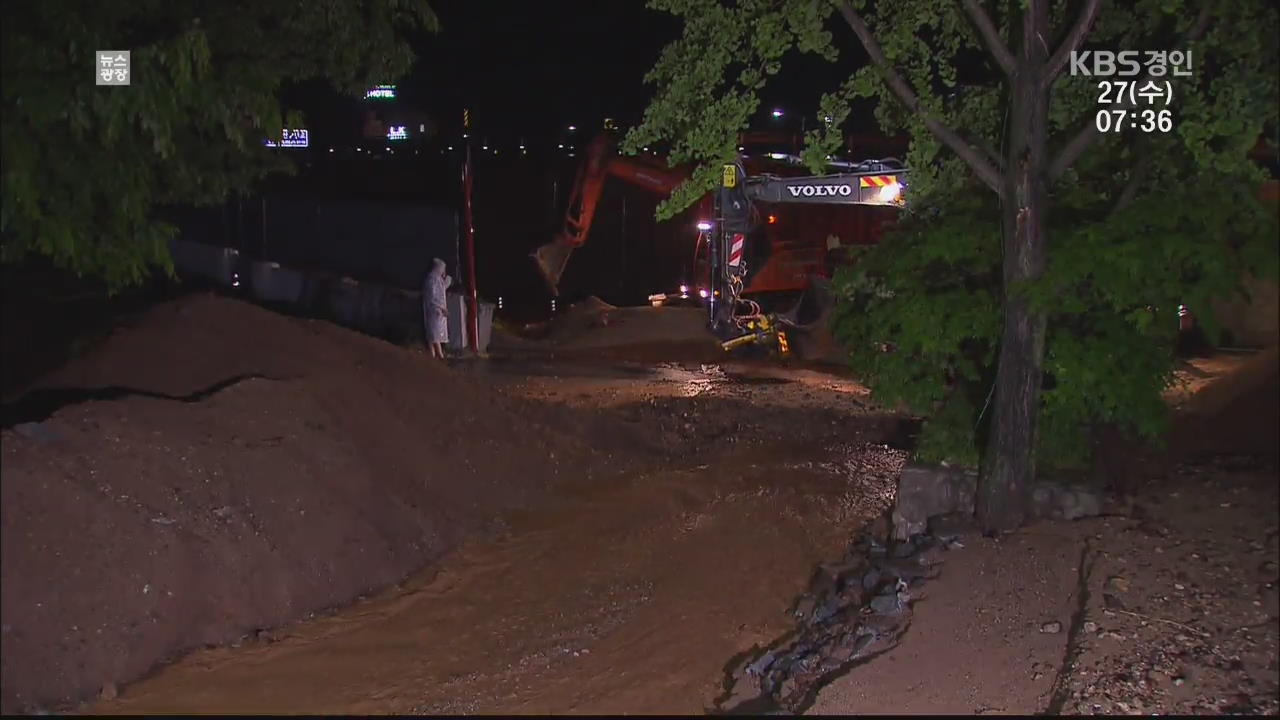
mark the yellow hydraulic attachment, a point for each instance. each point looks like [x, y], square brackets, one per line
[761, 329]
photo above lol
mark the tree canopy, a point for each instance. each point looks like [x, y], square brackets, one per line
[1031, 290]
[86, 167]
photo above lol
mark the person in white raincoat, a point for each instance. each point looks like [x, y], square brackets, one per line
[434, 311]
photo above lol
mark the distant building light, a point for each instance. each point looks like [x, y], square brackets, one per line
[777, 113]
[291, 138]
[572, 128]
[451, 147]
[484, 147]
[397, 132]
[381, 92]
[561, 146]
[422, 127]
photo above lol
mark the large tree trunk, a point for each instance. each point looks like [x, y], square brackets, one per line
[1009, 461]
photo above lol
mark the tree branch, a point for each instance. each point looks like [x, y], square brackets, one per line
[898, 85]
[990, 35]
[1089, 133]
[986, 147]
[1136, 177]
[1072, 41]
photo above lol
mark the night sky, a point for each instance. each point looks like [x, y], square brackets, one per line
[536, 67]
[530, 69]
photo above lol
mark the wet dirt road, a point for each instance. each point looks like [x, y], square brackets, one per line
[629, 597]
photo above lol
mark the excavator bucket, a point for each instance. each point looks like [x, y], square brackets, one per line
[551, 260]
[809, 321]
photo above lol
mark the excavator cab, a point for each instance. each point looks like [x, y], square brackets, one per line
[738, 320]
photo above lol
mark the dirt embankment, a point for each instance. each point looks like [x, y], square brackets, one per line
[235, 470]
[1171, 606]
[1233, 408]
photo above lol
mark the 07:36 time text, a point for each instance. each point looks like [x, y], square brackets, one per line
[1147, 121]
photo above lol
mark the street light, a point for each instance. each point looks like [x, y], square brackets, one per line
[777, 113]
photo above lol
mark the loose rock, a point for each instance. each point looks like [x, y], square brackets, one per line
[1117, 584]
[950, 526]
[889, 604]
[924, 492]
[871, 580]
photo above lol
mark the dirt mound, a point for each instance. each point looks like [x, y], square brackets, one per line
[594, 329]
[592, 304]
[1236, 413]
[634, 325]
[243, 469]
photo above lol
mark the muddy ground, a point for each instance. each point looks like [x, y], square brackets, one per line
[213, 468]
[646, 519]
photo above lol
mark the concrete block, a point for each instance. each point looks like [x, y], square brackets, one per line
[271, 283]
[211, 262]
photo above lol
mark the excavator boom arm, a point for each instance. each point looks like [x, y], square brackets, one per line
[872, 188]
[600, 164]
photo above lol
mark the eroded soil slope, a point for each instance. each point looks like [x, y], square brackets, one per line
[232, 470]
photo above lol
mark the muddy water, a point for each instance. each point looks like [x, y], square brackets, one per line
[627, 598]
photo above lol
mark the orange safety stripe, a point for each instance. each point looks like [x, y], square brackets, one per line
[876, 180]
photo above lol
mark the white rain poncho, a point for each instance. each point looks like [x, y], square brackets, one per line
[434, 309]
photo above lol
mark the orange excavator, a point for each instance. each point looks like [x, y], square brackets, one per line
[755, 248]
